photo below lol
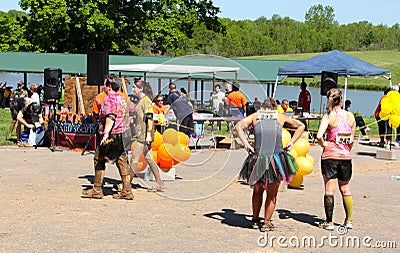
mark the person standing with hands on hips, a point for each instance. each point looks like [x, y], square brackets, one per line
[268, 162]
[336, 161]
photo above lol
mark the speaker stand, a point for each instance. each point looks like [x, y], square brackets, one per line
[53, 144]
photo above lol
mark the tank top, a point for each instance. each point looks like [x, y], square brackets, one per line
[268, 137]
[339, 139]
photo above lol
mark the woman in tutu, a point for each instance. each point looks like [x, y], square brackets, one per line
[268, 162]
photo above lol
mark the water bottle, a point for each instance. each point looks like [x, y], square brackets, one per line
[393, 178]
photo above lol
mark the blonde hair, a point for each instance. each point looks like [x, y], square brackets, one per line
[33, 87]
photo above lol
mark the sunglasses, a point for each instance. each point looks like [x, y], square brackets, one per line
[159, 100]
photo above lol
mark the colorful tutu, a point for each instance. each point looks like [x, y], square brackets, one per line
[268, 168]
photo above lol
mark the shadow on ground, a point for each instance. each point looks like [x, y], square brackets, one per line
[107, 181]
[312, 220]
[231, 218]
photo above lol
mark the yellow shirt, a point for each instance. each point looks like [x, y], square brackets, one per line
[280, 109]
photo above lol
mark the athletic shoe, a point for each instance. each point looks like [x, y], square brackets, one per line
[348, 224]
[255, 223]
[268, 226]
[327, 226]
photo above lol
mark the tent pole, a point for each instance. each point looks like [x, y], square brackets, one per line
[189, 79]
[345, 90]
[274, 89]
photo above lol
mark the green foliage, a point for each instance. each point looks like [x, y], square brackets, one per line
[117, 26]
[5, 120]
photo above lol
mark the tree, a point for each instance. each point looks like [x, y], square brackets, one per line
[79, 26]
[11, 33]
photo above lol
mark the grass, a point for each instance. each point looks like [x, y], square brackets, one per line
[5, 120]
[389, 60]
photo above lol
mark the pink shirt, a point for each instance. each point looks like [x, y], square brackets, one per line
[339, 139]
[116, 104]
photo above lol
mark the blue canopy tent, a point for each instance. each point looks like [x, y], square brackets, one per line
[334, 61]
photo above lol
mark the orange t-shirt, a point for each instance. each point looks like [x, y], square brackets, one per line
[98, 100]
[157, 109]
[124, 95]
[237, 99]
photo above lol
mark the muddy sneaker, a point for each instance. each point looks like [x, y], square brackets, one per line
[24, 144]
[327, 226]
[255, 223]
[93, 193]
[124, 195]
[268, 226]
[348, 224]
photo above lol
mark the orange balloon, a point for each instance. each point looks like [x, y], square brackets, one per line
[165, 152]
[170, 136]
[155, 155]
[158, 140]
[166, 164]
[183, 138]
[182, 152]
[175, 161]
[142, 164]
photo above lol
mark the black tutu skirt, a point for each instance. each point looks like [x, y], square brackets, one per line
[268, 168]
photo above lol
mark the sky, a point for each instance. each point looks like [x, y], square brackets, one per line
[377, 12]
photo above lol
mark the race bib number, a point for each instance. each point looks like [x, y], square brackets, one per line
[344, 138]
[270, 114]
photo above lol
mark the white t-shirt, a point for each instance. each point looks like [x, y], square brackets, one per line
[217, 101]
[35, 98]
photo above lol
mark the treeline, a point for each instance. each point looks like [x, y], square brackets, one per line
[180, 27]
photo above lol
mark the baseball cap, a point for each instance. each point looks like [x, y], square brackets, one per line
[36, 108]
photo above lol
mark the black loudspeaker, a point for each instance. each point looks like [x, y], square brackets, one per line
[52, 83]
[328, 81]
[97, 67]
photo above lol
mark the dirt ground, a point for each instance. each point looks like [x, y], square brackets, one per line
[206, 209]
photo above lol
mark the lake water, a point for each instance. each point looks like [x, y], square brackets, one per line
[363, 102]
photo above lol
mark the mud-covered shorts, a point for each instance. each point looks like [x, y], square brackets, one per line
[334, 168]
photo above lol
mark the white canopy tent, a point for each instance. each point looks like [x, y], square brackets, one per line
[187, 70]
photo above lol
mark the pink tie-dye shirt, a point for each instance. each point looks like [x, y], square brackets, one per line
[115, 104]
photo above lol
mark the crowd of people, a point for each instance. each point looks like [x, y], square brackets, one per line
[124, 120]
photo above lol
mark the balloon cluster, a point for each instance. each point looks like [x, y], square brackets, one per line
[390, 108]
[167, 149]
[304, 161]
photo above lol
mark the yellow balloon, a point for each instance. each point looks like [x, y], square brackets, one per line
[170, 136]
[394, 121]
[310, 158]
[297, 180]
[183, 138]
[286, 137]
[383, 115]
[302, 147]
[293, 152]
[305, 166]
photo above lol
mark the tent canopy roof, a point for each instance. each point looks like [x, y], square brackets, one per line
[335, 61]
[168, 68]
